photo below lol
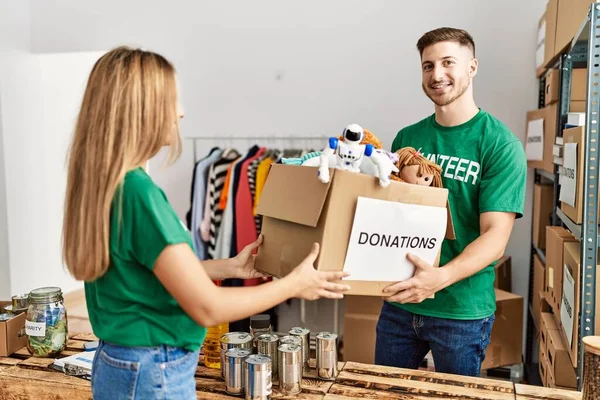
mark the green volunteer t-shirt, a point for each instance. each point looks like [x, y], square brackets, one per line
[484, 169]
[128, 305]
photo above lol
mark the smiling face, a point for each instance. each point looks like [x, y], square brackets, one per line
[447, 69]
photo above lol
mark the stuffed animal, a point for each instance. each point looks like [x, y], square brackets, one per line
[349, 154]
[417, 169]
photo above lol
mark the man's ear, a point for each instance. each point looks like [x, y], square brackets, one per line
[473, 64]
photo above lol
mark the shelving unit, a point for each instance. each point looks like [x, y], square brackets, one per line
[584, 52]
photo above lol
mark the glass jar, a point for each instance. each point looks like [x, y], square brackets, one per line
[46, 322]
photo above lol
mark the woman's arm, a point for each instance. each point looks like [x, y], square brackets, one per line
[221, 269]
[182, 274]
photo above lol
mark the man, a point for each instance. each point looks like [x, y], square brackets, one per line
[484, 169]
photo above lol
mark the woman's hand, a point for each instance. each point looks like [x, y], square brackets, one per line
[244, 262]
[310, 284]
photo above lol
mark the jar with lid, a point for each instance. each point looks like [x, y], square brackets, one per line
[46, 322]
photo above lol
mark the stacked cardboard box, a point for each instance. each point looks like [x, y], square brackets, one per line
[557, 29]
[554, 366]
[570, 305]
[505, 348]
[12, 333]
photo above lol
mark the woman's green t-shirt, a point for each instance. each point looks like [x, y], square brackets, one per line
[128, 305]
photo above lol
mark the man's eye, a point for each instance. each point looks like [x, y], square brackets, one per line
[448, 62]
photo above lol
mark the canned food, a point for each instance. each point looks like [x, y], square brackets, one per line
[290, 369]
[257, 377]
[20, 302]
[234, 370]
[234, 340]
[6, 316]
[267, 345]
[327, 355]
[289, 339]
[304, 335]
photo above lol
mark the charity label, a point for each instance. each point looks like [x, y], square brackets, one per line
[384, 232]
[534, 148]
[35, 328]
[568, 304]
[569, 174]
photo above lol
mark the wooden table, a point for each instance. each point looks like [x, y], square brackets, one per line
[24, 377]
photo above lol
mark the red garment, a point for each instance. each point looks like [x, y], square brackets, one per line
[245, 224]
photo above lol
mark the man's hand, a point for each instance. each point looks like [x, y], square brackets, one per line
[426, 281]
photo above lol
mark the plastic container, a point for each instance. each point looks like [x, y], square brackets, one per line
[46, 322]
[212, 343]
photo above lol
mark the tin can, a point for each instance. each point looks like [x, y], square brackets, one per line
[267, 345]
[327, 355]
[290, 369]
[234, 370]
[20, 302]
[289, 339]
[6, 317]
[257, 377]
[234, 340]
[303, 334]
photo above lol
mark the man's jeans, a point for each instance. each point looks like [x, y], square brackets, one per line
[457, 346]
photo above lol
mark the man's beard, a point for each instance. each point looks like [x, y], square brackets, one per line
[445, 99]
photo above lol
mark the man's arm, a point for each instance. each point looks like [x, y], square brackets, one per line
[495, 229]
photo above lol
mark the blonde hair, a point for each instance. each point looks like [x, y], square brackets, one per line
[128, 112]
[408, 156]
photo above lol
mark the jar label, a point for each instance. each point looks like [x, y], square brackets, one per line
[35, 328]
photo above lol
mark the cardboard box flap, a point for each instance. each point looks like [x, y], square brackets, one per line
[286, 187]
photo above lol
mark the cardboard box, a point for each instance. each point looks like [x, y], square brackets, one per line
[299, 210]
[575, 135]
[551, 16]
[543, 365]
[556, 237]
[550, 115]
[12, 333]
[578, 86]
[503, 269]
[506, 343]
[543, 198]
[360, 324]
[538, 288]
[570, 305]
[541, 47]
[577, 106]
[571, 15]
[558, 360]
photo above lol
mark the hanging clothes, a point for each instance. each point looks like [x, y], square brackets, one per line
[225, 191]
[198, 198]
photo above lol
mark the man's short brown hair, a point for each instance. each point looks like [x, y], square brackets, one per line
[446, 34]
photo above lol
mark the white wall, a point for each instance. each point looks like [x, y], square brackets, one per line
[310, 67]
[4, 259]
[268, 67]
[40, 97]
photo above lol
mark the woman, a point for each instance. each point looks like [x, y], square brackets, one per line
[148, 296]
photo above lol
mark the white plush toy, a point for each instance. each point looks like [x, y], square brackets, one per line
[349, 154]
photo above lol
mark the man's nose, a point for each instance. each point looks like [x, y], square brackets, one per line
[437, 73]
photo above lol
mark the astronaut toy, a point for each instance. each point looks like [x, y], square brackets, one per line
[349, 153]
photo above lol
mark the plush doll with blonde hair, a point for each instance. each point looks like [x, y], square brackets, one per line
[415, 168]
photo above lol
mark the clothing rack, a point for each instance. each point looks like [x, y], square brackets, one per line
[271, 139]
[268, 138]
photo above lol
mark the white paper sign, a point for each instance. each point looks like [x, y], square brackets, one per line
[383, 232]
[37, 329]
[569, 174]
[567, 308]
[535, 140]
